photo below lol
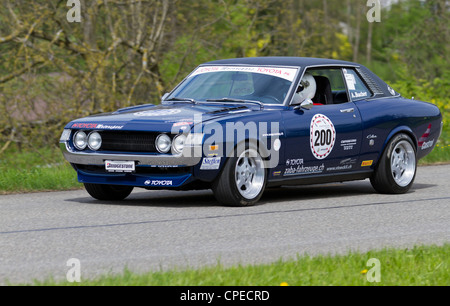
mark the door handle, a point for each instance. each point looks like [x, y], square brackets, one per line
[348, 110]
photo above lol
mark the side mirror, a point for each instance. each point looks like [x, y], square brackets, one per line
[307, 104]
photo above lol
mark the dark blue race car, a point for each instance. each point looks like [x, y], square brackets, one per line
[238, 126]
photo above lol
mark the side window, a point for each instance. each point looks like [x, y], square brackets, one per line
[330, 86]
[356, 87]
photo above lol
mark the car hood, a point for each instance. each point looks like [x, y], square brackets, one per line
[160, 117]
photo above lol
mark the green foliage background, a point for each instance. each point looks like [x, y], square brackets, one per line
[126, 53]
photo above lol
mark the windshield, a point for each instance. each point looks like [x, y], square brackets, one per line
[268, 85]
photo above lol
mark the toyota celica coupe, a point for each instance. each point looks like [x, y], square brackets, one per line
[239, 126]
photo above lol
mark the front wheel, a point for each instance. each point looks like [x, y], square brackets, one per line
[242, 180]
[108, 192]
[397, 167]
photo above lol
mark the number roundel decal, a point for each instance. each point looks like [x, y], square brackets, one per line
[322, 137]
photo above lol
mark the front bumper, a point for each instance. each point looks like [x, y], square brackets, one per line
[147, 180]
[91, 158]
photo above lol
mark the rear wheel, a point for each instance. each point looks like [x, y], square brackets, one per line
[397, 167]
[242, 180]
[108, 192]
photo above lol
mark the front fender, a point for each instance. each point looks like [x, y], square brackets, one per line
[222, 137]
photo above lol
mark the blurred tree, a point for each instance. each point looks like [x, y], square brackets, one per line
[115, 49]
[127, 52]
[53, 70]
[415, 35]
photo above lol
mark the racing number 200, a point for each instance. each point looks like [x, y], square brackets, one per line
[323, 137]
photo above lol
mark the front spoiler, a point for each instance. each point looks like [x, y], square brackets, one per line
[149, 181]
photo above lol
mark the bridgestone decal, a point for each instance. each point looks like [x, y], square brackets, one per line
[322, 136]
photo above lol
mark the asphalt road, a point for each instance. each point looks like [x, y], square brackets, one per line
[154, 230]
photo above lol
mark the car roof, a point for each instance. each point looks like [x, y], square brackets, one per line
[282, 61]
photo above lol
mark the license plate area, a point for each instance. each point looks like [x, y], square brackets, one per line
[120, 166]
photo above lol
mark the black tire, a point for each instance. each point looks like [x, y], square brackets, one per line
[225, 187]
[396, 170]
[108, 192]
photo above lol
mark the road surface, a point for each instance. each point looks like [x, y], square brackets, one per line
[154, 230]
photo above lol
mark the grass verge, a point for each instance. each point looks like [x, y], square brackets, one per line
[440, 154]
[35, 170]
[418, 266]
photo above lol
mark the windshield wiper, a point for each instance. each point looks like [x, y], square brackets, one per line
[177, 99]
[236, 100]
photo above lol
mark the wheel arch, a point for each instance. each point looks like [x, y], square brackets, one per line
[231, 149]
[260, 145]
[398, 130]
[383, 178]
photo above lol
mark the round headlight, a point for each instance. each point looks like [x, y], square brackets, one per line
[163, 143]
[178, 143]
[80, 140]
[94, 141]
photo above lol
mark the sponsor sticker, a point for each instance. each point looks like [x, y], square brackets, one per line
[366, 163]
[427, 144]
[294, 161]
[350, 80]
[340, 168]
[300, 169]
[348, 161]
[119, 166]
[281, 72]
[348, 144]
[96, 126]
[322, 136]
[210, 163]
[157, 183]
[276, 173]
[84, 125]
[359, 94]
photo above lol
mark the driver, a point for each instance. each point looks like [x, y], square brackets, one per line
[306, 89]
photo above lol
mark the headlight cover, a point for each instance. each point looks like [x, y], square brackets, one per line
[178, 143]
[80, 140]
[94, 141]
[65, 136]
[163, 143]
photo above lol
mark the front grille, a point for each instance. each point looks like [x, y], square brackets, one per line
[128, 141]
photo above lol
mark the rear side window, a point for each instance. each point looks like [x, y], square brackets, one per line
[356, 87]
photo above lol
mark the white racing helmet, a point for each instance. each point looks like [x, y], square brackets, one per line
[306, 89]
